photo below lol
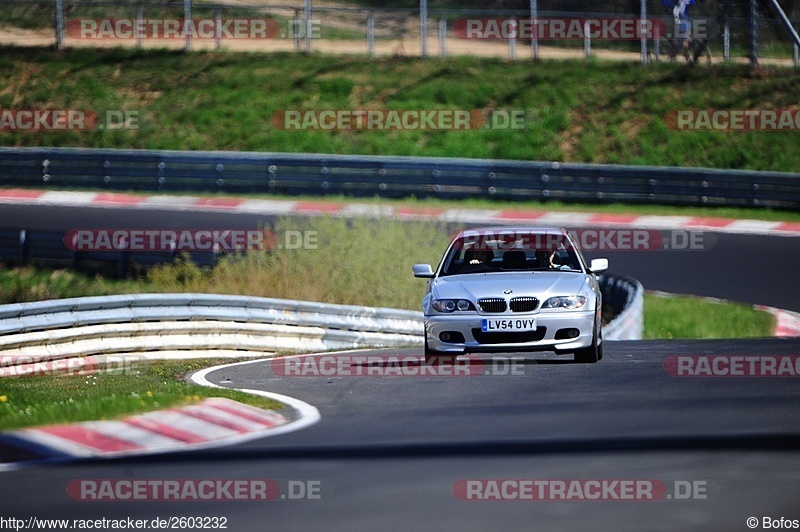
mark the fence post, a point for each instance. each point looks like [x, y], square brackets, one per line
[307, 15]
[642, 26]
[795, 55]
[217, 28]
[423, 28]
[754, 32]
[187, 19]
[587, 41]
[442, 37]
[726, 42]
[139, 26]
[296, 31]
[534, 29]
[60, 24]
[512, 41]
[657, 43]
[371, 34]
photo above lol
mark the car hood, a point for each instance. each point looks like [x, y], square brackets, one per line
[538, 284]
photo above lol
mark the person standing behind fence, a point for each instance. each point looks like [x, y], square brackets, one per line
[683, 26]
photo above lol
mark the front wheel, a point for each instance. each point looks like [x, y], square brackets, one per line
[593, 353]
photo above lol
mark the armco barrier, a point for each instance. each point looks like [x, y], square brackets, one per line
[58, 335]
[387, 176]
[625, 299]
[48, 249]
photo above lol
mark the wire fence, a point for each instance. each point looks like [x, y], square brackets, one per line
[641, 30]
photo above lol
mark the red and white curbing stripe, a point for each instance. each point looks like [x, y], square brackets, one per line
[314, 208]
[214, 421]
[788, 323]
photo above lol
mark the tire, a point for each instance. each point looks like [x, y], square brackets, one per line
[667, 48]
[437, 357]
[701, 54]
[593, 353]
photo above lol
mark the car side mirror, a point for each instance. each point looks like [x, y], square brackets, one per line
[423, 271]
[598, 265]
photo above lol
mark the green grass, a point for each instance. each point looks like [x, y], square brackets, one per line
[30, 401]
[18, 285]
[599, 112]
[693, 317]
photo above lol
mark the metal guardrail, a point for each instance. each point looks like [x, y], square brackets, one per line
[84, 334]
[82, 311]
[625, 299]
[88, 332]
[393, 177]
[48, 249]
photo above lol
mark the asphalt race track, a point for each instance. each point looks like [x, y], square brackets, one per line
[389, 451]
[746, 268]
[416, 451]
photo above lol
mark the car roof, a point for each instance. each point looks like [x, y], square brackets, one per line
[524, 229]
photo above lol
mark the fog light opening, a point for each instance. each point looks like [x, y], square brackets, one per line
[566, 334]
[451, 337]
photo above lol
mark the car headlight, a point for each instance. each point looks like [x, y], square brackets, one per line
[451, 305]
[568, 302]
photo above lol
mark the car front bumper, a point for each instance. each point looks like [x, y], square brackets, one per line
[543, 339]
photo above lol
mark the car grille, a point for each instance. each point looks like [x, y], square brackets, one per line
[492, 304]
[521, 337]
[524, 304]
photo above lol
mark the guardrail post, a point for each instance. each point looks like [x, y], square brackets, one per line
[23, 241]
[60, 24]
[122, 264]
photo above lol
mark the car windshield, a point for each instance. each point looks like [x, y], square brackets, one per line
[488, 253]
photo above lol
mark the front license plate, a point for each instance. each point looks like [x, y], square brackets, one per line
[499, 325]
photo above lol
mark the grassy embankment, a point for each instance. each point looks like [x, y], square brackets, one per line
[600, 112]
